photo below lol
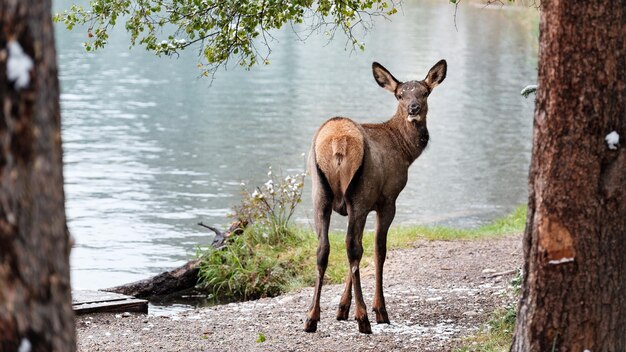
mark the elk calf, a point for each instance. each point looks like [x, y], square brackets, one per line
[358, 168]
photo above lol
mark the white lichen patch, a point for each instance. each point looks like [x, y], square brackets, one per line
[560, 261]
[612, 140]
[19, 65]
[25, 346]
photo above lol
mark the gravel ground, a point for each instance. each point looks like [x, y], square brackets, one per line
[437, 293]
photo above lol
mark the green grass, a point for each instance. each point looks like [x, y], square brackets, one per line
[251, 268]
[497, 335]
[512, 223]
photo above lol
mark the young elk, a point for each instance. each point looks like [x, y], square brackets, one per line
[356, 168]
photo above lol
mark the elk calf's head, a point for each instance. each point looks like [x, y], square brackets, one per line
[412, 95]
[359, 168]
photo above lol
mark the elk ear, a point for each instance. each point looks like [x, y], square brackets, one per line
[384, 78]
[436, 74]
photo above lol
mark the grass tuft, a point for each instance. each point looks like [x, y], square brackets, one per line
[497, 335]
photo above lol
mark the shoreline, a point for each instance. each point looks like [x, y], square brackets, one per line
[437, 294]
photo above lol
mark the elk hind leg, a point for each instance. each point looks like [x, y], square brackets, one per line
[354, 247]
[344, 303]
[322, 210]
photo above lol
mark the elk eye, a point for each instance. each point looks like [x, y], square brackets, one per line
[399, 96]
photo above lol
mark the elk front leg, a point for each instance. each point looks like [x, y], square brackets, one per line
[354, 248]
[384, 217]
[322, 221]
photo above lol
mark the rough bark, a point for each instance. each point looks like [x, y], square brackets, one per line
[575, 240]
[35, 296]
[181, 278]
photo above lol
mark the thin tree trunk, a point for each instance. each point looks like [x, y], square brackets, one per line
[35, 298]
[574, 288]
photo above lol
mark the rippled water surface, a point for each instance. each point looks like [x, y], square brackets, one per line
[150, 149]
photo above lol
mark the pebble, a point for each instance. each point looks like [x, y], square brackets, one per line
[434, 299]
[421, 323]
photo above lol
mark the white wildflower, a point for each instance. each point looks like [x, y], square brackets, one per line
[269, 185]
[257, 195]
[19, 65]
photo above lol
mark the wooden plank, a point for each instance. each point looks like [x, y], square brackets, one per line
[89, 301]
[91, 296]
[129, 305]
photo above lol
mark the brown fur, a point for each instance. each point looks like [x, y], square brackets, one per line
[339, 149]
[359, 168]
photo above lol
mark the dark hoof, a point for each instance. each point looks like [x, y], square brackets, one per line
[364, 326]
[343, 312]
[381, 316]
[310, 325]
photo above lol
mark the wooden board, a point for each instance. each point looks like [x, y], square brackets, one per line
[88, 301]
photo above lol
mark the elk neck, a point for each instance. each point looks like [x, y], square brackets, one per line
[411, 137]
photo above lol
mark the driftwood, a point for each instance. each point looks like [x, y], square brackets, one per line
[181, 278]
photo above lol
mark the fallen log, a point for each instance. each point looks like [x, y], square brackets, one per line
[181, 278]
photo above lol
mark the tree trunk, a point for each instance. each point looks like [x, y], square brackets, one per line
[574, 288]
[35, 297]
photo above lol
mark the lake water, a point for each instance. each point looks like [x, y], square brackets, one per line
[151, 149]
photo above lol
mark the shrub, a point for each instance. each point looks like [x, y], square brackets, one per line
[250, 265]
[269, 208]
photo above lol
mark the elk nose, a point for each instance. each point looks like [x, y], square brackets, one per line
[414, 108]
